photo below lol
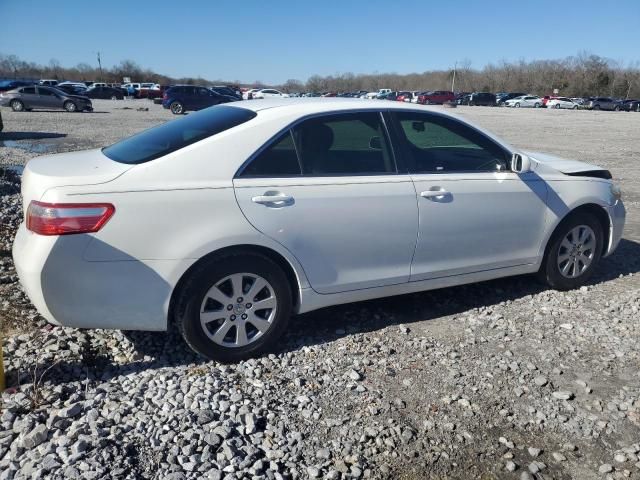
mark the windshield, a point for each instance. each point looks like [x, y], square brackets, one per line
[171, 136]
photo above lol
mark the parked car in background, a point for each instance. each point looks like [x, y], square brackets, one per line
[562, 102]
[105, 93]
[248, 95]
[484, 99]
[41, 97]
[183, 98]
[436, 97]
[404, 96]
[602, 103]
[382, 91]
[7, 85]
[221, 223]
[72, 89]
[48, 82]
[507, 96]
[630, 105]
[269, 93]
[223, 90]
[524, 101]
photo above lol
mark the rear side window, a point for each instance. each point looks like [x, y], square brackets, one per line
[278, 160]
[28, 90]
[171, 136]
[344, 144]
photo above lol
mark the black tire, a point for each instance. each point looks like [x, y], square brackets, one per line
[557, 106]
[517, 105]
[17, 106]
[536, 105]
[616, 108]
[550, 271]
[69, 106]
[209, 273]
[176, 108]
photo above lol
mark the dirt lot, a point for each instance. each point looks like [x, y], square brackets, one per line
[497, 380]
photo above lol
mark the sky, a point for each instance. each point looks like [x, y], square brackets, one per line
[278, 40]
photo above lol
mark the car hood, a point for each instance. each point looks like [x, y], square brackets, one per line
[563, 165]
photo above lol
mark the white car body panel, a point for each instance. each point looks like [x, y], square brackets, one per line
[346, 238]
[526, 101]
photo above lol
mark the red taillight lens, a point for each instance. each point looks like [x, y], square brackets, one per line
[67, 218]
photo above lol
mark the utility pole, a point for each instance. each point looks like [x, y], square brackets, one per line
[100, 66]
[453, 80]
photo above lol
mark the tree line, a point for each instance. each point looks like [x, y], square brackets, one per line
[582, 75]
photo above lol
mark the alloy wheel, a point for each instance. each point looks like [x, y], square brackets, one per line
[238, 310]
[576, 251]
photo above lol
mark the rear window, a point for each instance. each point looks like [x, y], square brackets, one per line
[171, 136]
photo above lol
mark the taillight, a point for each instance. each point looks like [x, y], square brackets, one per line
[67, 218]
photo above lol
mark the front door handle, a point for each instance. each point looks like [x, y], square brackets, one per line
[273, 199]
[434, 193]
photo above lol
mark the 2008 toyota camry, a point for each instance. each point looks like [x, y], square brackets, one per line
[229, 220]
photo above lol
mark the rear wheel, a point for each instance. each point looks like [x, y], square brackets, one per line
[176, 108]
[573, 252]
[536, 105]
[70, 106]
[17, 106]
[114, 97]
[234, 307]
[617, 108]
[557, 106]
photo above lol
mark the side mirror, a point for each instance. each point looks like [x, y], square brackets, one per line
[520, 163]
[375, 143]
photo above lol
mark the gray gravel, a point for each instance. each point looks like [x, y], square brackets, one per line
[497, 380]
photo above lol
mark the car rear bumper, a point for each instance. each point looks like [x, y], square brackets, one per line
[68, 290]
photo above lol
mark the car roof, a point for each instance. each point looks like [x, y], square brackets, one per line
[330, 104]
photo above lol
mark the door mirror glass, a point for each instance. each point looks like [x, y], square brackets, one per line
[375, 143]
[520, 163]
[418, 126]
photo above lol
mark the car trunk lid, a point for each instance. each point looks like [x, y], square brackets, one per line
[89, 167]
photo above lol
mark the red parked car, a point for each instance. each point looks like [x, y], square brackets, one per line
[437, 97]
[404, 97]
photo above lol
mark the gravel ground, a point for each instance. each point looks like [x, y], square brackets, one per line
[502, 379]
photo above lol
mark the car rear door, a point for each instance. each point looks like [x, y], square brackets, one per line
[328, 190]
[29, 97]
[475, 214]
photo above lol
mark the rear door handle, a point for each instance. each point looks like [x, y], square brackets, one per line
[275, 199]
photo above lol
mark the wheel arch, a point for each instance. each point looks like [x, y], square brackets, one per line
[598, 211]
[279, 259]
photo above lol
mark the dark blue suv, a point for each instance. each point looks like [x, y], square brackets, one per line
[182, 98]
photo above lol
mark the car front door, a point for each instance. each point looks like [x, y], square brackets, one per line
[475, 214]
[328, 190]
[47, 98]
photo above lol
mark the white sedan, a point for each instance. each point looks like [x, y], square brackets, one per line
[269, 93]
[562, 102]
[228, 221]
[524, 101]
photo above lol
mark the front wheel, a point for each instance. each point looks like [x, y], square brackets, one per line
[176, 108]
[17, 106]
[575, 107]
[616, 109]
[573, 252]
[234, 307]
[517, 105]
[557, 106]
[537, 105]
[114, 97]
[70, 106]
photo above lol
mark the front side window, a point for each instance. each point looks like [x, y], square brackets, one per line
[45, 91]
[171, 136]
[344, 144]
[277, 160]
[442, 145]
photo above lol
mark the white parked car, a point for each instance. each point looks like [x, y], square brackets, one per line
[524, 101]
[248, 94]
[372, 95]
[231, 219]
[269, 93]
[562, 102]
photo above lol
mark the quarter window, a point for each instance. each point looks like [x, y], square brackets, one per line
[441, 145]
[344, 144]
[277, 160]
